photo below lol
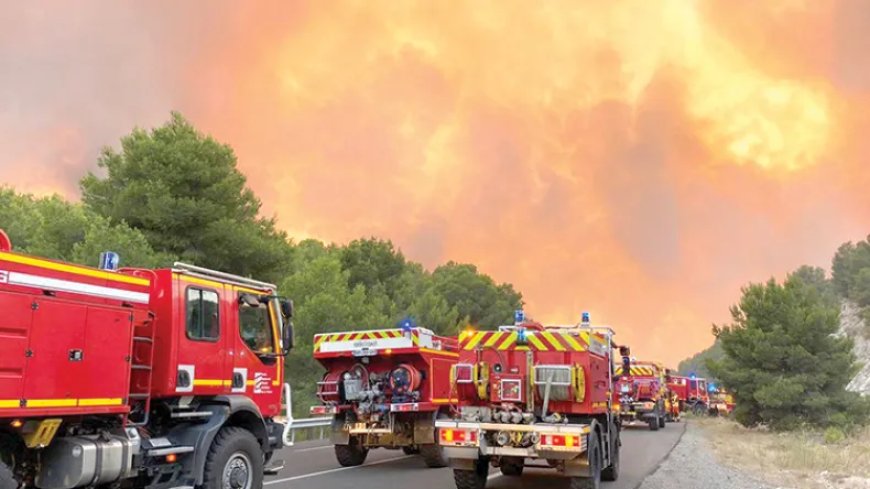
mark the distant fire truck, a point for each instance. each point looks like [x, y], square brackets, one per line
[385, 388]
[137, 378]
[532, 392]
[691, 392]
[642, 394]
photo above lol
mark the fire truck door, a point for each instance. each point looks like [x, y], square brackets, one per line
[54, 372]
[256, 365]
[203, 340]
[14, 336]
[107, 359]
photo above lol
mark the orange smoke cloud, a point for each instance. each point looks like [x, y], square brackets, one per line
[640, 160]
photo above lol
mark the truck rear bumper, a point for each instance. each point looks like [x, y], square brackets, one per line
[570, 440]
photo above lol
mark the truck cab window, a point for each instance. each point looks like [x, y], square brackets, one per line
[255, 327]
[203, 320]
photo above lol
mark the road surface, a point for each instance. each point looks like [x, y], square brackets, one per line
[313, 466]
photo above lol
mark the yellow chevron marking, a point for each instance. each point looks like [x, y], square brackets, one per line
[493, 338]
[575, 345]
[550, 337]
[509, 341]
[474, 340]
[415, 339]
[536, 342]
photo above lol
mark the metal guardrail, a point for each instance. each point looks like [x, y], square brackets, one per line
[292, 425]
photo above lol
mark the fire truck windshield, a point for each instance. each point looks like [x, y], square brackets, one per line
[255, 327]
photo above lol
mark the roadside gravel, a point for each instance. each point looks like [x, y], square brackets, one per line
[692, 465]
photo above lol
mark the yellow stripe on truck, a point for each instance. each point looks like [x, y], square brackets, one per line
[117, 401]
[47, 403]
[63, 267]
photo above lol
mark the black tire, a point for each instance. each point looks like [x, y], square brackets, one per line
[654, 423]
[512, 467]
[236, 452]
[611, 473]
[661, 421]
[352, 454]
[412, 450]
[474, 478]
[433, 455]
[594, 481]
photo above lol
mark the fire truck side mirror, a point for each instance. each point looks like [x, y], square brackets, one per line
[287, 338]
[287, 308]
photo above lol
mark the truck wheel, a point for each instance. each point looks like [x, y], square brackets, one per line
[472, 479]
[611, 473]
[654, 423]
[234, 461]
[352, 454]
[433, 455]
[594, 479]
[411, 450]
[661, 421]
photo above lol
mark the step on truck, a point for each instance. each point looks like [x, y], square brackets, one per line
[385, 389]
[643, 395]
[137, 378]
[533, 393]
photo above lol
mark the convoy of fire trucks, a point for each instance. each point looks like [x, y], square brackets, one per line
[167, 378]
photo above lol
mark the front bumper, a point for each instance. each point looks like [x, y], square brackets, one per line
[483, 431]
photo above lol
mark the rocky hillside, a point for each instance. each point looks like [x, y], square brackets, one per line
[852, 324]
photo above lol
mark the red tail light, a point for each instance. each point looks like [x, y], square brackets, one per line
[560, 440]
[451, 436]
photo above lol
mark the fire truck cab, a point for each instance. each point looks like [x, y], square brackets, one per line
[532, 392]
[143, 378]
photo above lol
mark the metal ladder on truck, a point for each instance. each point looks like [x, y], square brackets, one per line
[141, 363]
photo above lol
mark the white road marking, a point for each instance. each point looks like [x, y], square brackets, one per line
[493, 476]
[332, 471]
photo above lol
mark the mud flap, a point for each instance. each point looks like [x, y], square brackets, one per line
[424, 428]
[340, 435]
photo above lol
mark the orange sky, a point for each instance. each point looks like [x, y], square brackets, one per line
[638, 159]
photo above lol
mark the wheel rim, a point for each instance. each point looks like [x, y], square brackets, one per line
[237, 472]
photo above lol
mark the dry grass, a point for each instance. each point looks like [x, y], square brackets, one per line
[800, 460]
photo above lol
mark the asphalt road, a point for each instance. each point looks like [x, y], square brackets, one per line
[313, 466]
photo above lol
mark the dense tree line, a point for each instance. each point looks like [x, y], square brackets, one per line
[697, 363]
[173, 193]
[851, 275]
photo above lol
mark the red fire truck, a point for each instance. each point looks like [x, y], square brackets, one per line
[642, 394]
[692, 393]
[385, 388]
[533, 392]
[137, 378]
